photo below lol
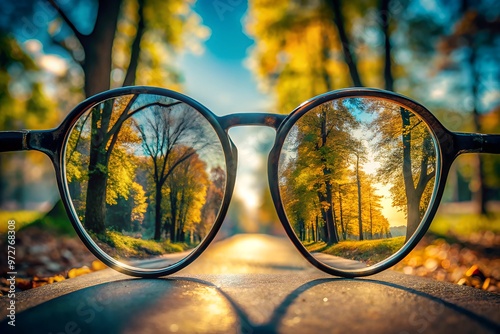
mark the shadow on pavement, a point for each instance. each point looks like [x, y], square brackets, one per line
[187, 305]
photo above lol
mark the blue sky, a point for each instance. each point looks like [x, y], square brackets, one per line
[218, 78]
[228, 41]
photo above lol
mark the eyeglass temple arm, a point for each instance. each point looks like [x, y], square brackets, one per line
[46, 141]
[13, 140]
[477, 143]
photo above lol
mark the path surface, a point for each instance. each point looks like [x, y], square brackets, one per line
[253, 284]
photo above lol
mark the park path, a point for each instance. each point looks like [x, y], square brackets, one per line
[252, 283]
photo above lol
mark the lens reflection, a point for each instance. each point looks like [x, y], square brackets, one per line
[356, 178]
[146, 175]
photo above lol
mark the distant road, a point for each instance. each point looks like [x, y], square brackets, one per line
[253, 284]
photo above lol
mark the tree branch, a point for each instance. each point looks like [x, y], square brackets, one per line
[136, 48]
[117, 127]
[63, 45]
[81, 37]
[78, 139]
[181, 160]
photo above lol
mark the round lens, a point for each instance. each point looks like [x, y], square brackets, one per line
[146, 176]
[357, 176]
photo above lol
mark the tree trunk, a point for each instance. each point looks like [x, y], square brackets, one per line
[332, 235]
[97, 68]
[384, 22]
[98, 48]
[358, 184]
[95, 208]
[325, 228]
[325, 50]
[331, 230]
[302, 234]
[412, 201]
[413, 213]
[349, 56]
[344, 232]
[173, 210]
[158, 200]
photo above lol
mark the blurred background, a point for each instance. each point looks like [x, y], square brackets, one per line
[257, 56]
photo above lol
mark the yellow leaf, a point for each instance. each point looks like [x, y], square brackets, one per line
[98, 265]
[78, 272]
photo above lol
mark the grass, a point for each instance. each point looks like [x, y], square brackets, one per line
[368, 251]
[117, 244]
[464, 224]
[448, 226]
[22, 218]
[55, 220]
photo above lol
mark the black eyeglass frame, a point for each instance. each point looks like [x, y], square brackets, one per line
[449, 145]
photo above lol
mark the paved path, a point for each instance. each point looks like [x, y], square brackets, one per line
[253, 284]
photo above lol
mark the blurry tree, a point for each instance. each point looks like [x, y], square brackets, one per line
[345, 41]
[24, 105]
[128, 35]
[303, 49]
[491, 124]
[294, 48]
[468, 48]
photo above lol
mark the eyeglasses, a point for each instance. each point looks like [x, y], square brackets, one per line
[146, 176]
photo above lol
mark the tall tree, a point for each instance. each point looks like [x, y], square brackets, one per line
[359, 152]
[99, 157]
[104, 137]
[320, 146]
[407, 158]
[187, 190]
[170, 136]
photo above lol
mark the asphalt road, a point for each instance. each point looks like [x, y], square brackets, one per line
[252, 284]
